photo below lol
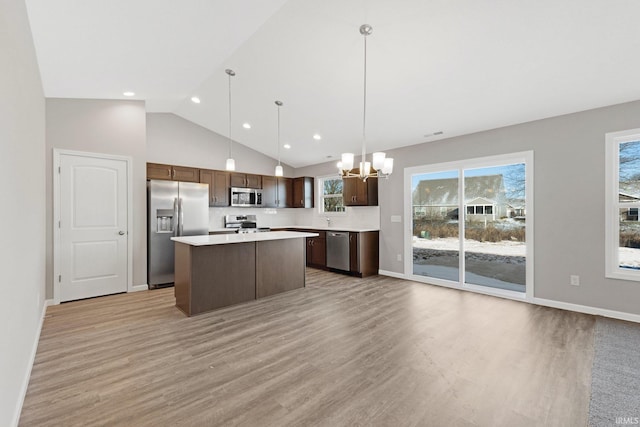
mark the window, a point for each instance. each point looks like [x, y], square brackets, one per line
[331, 194]
[622, 255]
[490, 249]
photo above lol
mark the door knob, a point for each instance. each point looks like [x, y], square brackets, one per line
[121, 233]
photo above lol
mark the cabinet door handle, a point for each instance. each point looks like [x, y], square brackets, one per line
[173, 173]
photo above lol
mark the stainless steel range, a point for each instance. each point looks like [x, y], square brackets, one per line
[244, 224]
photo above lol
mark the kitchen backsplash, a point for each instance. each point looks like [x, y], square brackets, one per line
[354, 217]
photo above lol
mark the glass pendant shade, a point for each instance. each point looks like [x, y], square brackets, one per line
[378, 160]
[279, 171]
[347, 161]
[387, 168]
[231, 164]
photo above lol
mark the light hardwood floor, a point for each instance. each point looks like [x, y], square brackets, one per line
[343, 351]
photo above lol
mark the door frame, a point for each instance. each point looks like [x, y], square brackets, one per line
[57, 153]
[524, 156]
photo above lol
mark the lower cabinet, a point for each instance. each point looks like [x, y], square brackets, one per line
[317, 250]
[363, 252]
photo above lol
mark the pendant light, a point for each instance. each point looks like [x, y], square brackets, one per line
[279, 170]
[231, 164]
[383, 165]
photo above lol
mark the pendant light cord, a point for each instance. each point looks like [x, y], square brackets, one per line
[229, 115]
[278, 134]
[364, 109]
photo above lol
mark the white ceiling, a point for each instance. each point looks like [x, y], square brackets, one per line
[433, 65]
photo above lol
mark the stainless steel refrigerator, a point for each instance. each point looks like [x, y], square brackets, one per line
[173, 209]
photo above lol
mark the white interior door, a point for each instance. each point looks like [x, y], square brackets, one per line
[93, 226]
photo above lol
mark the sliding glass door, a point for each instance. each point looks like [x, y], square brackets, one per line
[436, 232]
[470, 221]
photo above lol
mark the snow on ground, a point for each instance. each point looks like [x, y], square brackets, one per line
[630, 257]
[505, 247]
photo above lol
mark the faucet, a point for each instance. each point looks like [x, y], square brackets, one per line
[328, 221]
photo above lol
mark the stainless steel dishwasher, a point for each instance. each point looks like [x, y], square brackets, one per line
[338, 250]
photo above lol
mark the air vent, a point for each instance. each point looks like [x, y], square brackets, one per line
[429, 135]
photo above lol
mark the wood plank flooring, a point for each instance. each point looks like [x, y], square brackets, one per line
[343, 351]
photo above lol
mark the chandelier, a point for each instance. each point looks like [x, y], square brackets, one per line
[382, 165]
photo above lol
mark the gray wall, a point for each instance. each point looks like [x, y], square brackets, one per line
[569, 186]
[107, 127]
[174, 140]
[22, 251]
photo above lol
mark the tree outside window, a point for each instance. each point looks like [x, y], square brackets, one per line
[332, 195]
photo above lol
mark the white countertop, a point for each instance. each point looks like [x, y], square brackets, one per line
[222, 239]
[325, 228]
[304, 227]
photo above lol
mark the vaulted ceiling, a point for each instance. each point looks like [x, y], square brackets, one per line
[455, 67]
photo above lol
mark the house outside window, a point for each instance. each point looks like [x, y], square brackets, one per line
[331, 195]
[622, 255]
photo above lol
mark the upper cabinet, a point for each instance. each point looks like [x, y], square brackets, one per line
[218, 186]
[246, 180]
[302, 192]
[172, 173]
[276, 192]
[356, 192]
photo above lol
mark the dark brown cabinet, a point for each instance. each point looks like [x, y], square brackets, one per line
[364, 253]
[317, 250]
[218, 186]
[303, 192]
[172, 173]
[356, 192]
[276, 192]
[246, 180]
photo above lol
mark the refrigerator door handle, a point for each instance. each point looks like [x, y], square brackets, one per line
[175, 217]
[180, 217]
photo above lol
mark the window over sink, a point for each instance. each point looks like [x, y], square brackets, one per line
[330, 191]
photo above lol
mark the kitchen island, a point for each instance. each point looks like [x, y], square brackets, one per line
[215, 271]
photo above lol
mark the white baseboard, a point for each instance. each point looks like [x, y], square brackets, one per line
[621, 315]
[32, 359]
[391, 274]
[138, 288]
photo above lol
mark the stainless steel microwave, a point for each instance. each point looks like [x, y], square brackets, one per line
[246, 197]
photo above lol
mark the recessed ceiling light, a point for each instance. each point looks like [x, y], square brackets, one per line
[246, 125]
[287, 146]
[195, 100]
[128, 93]
[317, 137]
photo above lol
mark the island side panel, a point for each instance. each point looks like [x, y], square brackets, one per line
[280, 266]
[222, 275]
[182, 280]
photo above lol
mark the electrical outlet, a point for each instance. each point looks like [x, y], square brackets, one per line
[399, 257]
[574, 280]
